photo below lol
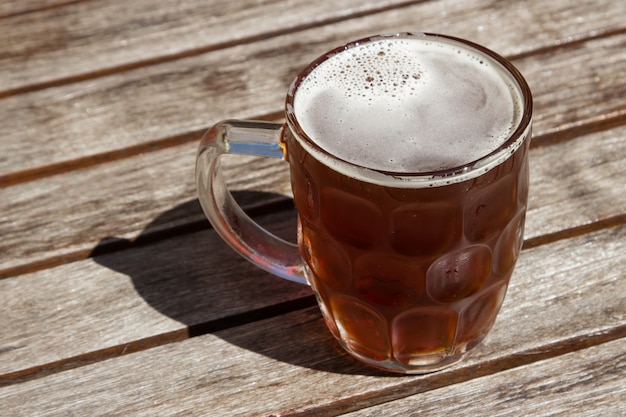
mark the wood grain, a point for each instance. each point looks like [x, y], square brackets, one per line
[10, 8]
[119, 299]
[586, 383]
[96, 116]
[577, 183]
[108, 36]
[577, 283]
[166, 179]
[136, 294]
[149, 188]
[120, 201]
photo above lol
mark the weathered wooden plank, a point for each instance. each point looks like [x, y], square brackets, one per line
[133, 195]
[136, 107]
[135, 294]
[95, 309]
[108, 35]
[143, 33]
[576, 183]
[592, 85]
[149, 193]
[17, 7]
[586, 383]
[564, 296]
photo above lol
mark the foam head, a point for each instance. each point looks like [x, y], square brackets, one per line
[408, 104]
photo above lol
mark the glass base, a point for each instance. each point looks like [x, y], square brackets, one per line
[422, 364]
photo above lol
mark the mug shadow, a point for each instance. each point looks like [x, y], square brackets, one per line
[181, 268]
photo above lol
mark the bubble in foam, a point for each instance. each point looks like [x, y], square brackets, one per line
[407, 105]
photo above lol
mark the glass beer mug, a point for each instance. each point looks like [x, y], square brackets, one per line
[409, 171]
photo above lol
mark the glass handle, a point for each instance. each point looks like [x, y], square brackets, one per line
[245, 236]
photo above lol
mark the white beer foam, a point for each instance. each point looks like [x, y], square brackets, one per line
[408, 105]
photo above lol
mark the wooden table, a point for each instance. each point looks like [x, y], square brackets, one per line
[117, 297]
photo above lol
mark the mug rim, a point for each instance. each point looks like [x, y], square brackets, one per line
[420, 179]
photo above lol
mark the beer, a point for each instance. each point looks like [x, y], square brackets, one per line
[410, 176]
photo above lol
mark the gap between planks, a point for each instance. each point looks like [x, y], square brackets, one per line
[569, 42]
[479, 370]
[194, 330]
[88, 161]
[558, 134]
[553, 136]
[286, 203]
[515, 360]
[605, 122]
[202, 50]
[41, 7]
[584, 229]
[115, 245]
[558, 44]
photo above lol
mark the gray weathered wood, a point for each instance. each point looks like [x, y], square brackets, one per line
[151, 185]
[17, 7]
[107, 34]
[577, 182]
[585, 383]
[102, 104]
[120, 200]
[563, 296]
[172, 99]
[134, 294]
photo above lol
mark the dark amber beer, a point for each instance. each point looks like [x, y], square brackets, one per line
[409, 170]
[411, 184]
